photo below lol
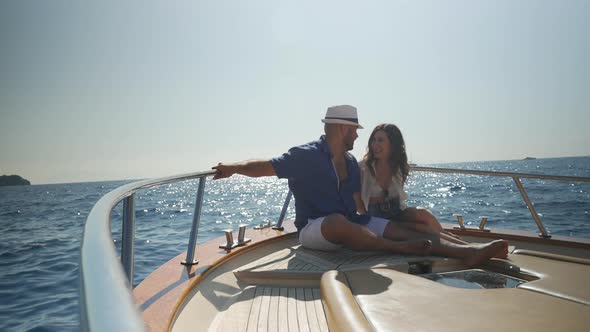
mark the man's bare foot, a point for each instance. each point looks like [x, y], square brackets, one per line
[503, 254]
[483, 252]
[416, 247]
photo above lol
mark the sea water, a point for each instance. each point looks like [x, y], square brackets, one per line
[42, 225]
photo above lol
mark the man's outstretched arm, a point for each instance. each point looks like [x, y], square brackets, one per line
[253, 168]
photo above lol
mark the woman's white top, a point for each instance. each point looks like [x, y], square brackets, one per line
[370, 188]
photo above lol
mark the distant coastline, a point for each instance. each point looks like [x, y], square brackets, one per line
[13, 180]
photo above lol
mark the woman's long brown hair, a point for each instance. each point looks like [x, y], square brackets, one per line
[398, 159]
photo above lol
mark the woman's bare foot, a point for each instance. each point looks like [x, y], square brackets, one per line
[452, 239]
[415, 247]
[452, 235]
[482, 252]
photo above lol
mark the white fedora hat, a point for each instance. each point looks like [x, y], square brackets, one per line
[342, 114]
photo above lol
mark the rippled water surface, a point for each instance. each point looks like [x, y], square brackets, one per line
[42, 225]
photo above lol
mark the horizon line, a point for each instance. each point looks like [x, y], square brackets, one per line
[418, 164]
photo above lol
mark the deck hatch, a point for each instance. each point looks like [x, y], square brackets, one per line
[474, 279]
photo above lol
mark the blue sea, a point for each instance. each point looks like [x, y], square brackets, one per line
[42, 225]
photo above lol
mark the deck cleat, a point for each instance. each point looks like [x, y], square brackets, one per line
[229, 237]
[241, 235]
[459, 220]
[482, 224]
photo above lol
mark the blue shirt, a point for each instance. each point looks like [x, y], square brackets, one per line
[313, 180]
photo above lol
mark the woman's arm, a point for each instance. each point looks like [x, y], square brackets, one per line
[360, 205]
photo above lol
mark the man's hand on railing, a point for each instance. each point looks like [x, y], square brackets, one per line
[223, 171]
[254, 168]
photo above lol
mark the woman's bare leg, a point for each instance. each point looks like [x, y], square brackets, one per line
[422, 216]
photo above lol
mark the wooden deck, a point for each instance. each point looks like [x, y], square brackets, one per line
[259, 308]
[275, 288]
[273, 284]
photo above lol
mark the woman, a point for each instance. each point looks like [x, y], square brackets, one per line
[384, 171]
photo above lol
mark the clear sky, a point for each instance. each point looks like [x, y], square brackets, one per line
[110, 90]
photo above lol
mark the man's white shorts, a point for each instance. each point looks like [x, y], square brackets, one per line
[311, 235]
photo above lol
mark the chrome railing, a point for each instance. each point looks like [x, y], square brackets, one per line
[516, 178]
[105, 299]
[106, 303]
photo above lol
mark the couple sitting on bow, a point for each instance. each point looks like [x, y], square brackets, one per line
[339, 202]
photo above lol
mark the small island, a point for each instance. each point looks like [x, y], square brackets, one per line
[13, 180]
[529, 158]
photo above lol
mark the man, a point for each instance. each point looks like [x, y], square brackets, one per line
[325, 178]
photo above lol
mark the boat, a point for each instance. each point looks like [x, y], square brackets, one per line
[261, 279]
[529, 158]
